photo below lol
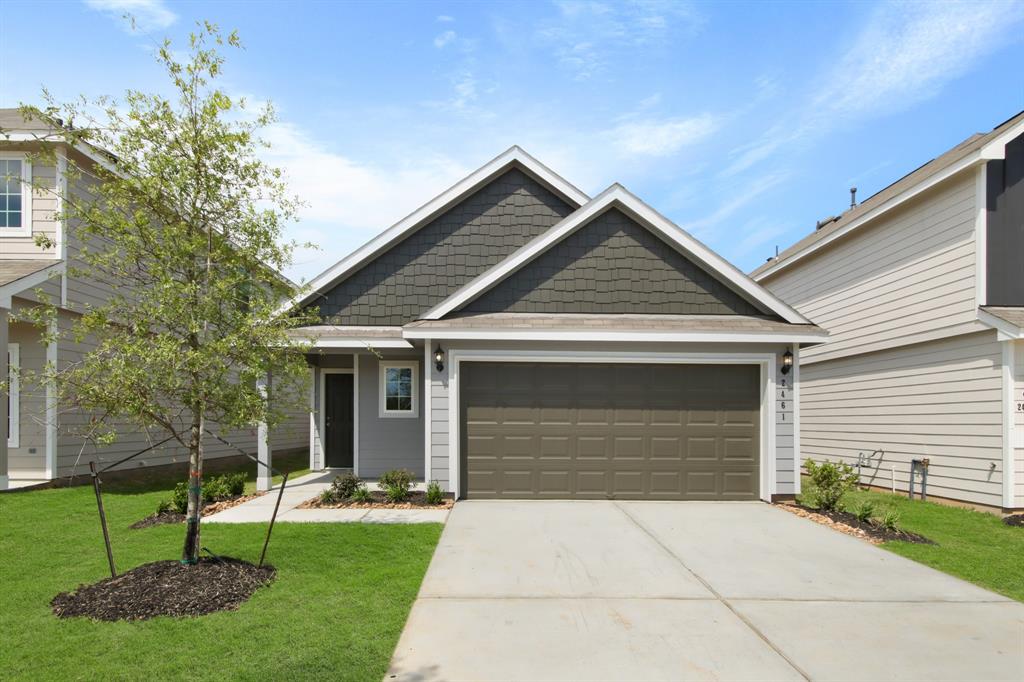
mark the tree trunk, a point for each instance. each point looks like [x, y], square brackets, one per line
[190, 553]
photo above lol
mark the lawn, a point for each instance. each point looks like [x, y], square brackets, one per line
[336, 610]
[972, 545]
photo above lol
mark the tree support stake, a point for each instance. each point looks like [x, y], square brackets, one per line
[103, 517]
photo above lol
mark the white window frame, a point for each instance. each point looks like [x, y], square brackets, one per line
[14, 391]
[26, 196]
[382, 387]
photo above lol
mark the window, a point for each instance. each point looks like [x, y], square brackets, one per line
[15, 196]
[13, 398]
[398, 389]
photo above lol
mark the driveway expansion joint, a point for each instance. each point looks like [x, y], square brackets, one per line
[725, 602]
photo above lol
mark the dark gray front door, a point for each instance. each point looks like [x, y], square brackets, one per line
[629, 431]
[338, 420]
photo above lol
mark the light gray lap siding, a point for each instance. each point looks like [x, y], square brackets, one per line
[612, 265]
[388, 442]
[455, 247]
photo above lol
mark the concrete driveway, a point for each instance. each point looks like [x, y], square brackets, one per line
[679, 591]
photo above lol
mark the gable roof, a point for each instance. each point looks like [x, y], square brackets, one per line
[975, 150]
[619, 197]
[512, 157]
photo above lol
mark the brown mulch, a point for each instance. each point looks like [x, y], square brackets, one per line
[166, 588]
[160, 518]
[1014, 520]
[417, 500]
[848, 523]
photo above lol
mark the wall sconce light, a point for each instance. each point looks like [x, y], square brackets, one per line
[787, 361]
[439, 359]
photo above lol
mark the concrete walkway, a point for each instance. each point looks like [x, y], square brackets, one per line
[681, 591]
[307, 487]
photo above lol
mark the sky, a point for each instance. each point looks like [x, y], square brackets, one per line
[744, 123]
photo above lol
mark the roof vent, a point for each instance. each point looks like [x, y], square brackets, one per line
[853, 197]
[822, 223]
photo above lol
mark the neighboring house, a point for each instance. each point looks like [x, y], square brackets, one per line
[39, 442]
[921, 289]
[515, 338]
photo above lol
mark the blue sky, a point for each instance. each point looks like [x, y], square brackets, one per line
[743, 123]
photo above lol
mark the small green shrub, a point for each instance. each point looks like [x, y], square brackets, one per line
[401, 478]
[215, 489]
[434, 493]
[890, 520]
[362, 494]
[345, 485]
[832, 480]
[327, 496]
[395, 493]
[865, 511]
[164, 506]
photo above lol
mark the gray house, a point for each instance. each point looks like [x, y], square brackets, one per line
[921, 288]
[515, 338]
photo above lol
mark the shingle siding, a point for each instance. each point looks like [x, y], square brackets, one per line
[429, 265]
[612, 265]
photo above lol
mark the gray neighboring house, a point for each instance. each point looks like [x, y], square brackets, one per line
[921, 288]
[38, 441]
[515, 338]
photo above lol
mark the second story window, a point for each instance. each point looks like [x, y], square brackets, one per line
[15, 196]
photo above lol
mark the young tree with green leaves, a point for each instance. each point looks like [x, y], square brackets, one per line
[186, 221]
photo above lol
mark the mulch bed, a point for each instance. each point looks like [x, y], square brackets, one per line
[1014, 520]
[160, 518]
[166, 588]
[847, 523]
[417, 500]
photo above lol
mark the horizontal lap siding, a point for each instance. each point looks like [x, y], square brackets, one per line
[387, 443]
[899, 281]
[74, 453]
[941, 400]
[32, 406]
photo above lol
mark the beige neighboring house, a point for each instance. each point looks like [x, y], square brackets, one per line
[37, 441]
[921, 288]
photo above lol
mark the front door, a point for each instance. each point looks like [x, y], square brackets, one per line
[338, 422]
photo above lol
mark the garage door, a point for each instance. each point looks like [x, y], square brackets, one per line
[629, 431]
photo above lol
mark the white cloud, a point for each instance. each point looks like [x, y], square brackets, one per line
[585, 33]
[444, 18]
[443, 39]
[653, 137]
[149, 14]
[906, 53]
[735, 203]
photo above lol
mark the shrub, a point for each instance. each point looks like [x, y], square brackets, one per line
[215, 488]
[345, 485]
[395, 493]
[235, 484]
[401, 478]
[832, 480]
[434, 493]
[890, 520]
[327, 496]
[164, 506]
[179, 497]
[865, 511]
[362, 494]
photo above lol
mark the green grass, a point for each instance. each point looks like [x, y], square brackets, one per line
[972, 545]
[336, 609]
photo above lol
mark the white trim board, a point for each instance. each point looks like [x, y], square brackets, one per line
[1009, 418]
[428, 386]
[611, 336]
[618, 197]
[382, 411]
[766, 361]
[442, 202]
[354, 371]
[14, 395]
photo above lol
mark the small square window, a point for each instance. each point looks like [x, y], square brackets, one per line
[397, 389]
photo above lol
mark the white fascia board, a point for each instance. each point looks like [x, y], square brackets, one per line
[431, 209]
[85, 149]
[967, 162]
[9, 290]
[1007, 330]
[612, 336]
[620, 197]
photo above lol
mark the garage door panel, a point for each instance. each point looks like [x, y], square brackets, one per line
[610, 430]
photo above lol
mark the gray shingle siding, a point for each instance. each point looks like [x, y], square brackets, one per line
[612, 265]
[430, 264]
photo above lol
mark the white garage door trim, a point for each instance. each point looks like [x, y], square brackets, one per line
[766, 362]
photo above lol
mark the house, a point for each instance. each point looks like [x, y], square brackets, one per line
[39, 441]
[516, 338]
[921, 288]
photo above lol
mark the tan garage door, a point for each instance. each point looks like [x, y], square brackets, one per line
[629, 431]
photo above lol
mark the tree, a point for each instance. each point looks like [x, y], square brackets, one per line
[186, 220]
